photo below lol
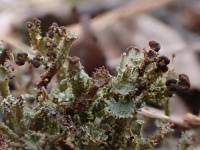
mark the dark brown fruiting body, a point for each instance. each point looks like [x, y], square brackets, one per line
[21, 58]
[151, 54]
[29, 24]
[56, 29]
[162, 63]
[171, 85]
[51, 54]
[38, 22]
[63, 29]
[35, 20]
[54, 44]
[55, 24]
[48, 43]
[52, 28]
[36, 63]
[131, 47]
[154, 45]
[184, 80]
[171, 82]
[73, 60]
[20, 62]
[182, 85]
[50, 34]
[61, 34]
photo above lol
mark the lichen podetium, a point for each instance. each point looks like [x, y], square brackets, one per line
[81, 112]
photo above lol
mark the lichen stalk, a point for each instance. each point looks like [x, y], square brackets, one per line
[5, 130]
[60, 60]
[4, 90]
[19, 119]
[167, 110]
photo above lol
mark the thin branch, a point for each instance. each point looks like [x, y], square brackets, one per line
[130, 9]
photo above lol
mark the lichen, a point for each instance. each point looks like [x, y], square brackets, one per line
[83, 112]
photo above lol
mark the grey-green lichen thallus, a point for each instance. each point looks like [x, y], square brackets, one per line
[81, 112]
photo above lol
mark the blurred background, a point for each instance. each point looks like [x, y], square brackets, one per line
[105, 28]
